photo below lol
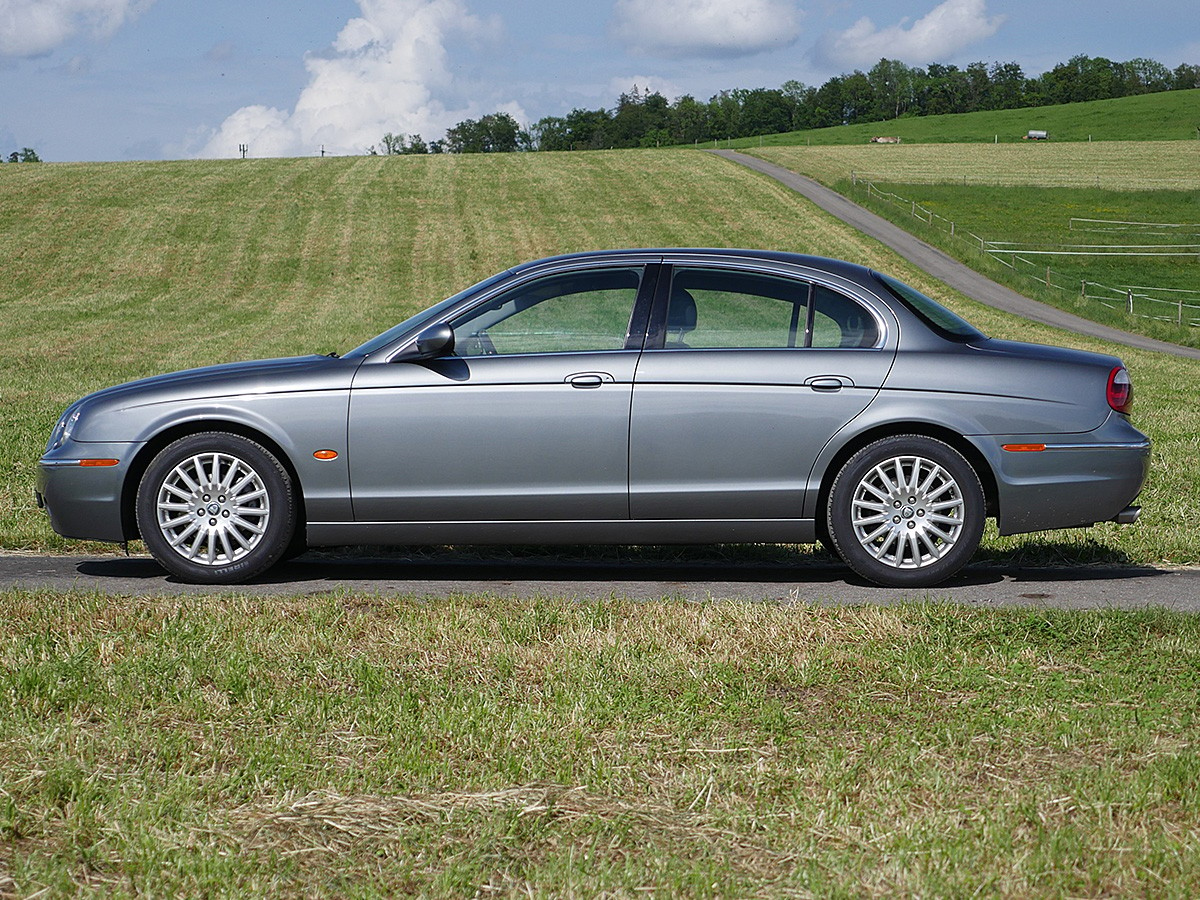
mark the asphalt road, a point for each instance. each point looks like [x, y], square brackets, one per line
[942, 267]
[443, 576]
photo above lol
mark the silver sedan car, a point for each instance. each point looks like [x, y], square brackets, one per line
[627, 397]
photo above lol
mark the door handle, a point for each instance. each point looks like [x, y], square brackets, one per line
[588, 380]
[828, 383]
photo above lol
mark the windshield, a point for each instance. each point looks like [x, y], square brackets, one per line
[396, 332]
[935, 315]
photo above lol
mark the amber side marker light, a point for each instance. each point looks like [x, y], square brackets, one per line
[99, 462]
[1024, 448]
[326, 454]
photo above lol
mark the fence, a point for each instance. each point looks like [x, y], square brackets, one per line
[1182, 308]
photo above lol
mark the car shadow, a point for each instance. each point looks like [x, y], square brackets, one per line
[450, 567]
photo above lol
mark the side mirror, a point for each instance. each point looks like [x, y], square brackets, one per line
[433, 342]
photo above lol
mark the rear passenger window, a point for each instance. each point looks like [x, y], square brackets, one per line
[839, 321]
[724, 309]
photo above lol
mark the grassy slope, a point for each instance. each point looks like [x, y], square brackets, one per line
[1029, 193]
[109, 272]
[1169, 116]
[343, 745]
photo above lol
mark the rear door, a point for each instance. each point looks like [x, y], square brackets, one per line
[750, 376]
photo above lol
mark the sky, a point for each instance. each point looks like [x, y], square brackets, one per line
[84, 80]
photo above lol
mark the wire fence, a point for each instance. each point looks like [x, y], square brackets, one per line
[1175, 305]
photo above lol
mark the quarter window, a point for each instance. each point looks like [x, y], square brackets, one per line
[714, 309]
[574, 312]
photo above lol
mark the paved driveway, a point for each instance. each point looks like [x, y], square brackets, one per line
[446, 575]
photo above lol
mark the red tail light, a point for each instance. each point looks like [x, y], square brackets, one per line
[1120, 390]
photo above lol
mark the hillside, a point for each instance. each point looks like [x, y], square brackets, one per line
[113, 271]
[1168, 116]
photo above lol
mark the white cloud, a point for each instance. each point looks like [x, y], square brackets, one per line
[34, 27]
[682, 28]
[942, 32]
[387, 71]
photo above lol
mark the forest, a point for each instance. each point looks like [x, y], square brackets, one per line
[890, 90]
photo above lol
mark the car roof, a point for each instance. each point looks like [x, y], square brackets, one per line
[849, 270]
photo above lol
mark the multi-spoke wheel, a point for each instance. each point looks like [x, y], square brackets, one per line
[216, 508]
[906, 511]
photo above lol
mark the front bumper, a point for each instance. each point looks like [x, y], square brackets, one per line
[81, 488]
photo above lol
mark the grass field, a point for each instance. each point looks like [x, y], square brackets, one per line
[110, 272]
[344, 745]
[1169, 116]
[1115, 165]
[340, 745]
[955, 197]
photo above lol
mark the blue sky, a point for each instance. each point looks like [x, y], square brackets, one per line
[155, 79]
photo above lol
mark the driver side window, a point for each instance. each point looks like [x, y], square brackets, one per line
[574, 312]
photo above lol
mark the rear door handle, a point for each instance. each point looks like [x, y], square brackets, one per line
[828, 383]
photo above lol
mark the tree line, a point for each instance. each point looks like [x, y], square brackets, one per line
[890, 90]
[25, 154]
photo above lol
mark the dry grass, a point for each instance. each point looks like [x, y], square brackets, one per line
[347, 744]
[115, 271]
[1112, 165]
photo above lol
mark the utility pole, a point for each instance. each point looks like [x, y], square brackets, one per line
[243, 149]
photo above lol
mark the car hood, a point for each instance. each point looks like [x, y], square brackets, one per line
[266, 376]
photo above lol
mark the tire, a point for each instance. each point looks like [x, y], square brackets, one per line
[906, 511]
[216, 508]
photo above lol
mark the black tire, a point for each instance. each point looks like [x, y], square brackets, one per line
[906, 511]
[216, 508]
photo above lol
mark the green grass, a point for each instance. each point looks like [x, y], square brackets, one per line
[351, 745]
[1169, 116]
[115, 271]
[347, 745]
[1039, 219]
[954, 198]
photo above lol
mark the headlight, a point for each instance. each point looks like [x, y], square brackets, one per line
[62, 430]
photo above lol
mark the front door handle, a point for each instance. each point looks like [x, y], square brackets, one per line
[588, 380]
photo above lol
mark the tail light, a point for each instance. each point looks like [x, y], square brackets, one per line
[1120, 390]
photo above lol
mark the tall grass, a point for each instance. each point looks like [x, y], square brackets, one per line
[114, 271]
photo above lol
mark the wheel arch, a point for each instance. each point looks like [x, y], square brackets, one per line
[971, 453]
[152, 447]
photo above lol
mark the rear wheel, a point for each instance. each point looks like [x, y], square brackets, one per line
[216, 508]
[906, 511]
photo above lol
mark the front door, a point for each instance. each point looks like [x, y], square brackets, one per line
[528, 420]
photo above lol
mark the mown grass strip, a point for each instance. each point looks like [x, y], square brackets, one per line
[347, 744]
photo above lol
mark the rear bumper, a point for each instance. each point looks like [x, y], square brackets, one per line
[1069, 481]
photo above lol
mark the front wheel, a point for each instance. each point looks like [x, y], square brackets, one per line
[906, 511]
[216, 508]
